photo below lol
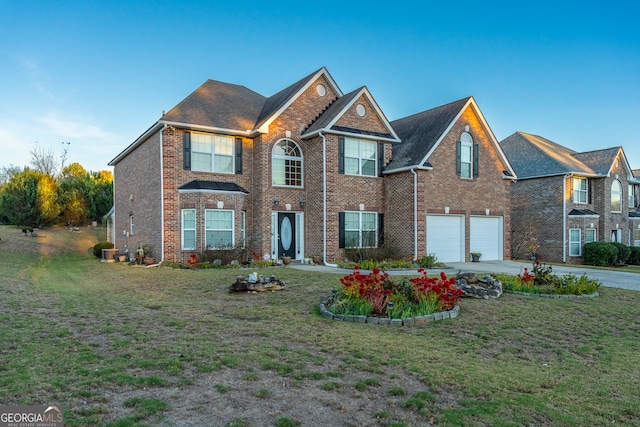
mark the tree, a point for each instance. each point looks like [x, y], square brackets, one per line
[43, 160]
[30, 198]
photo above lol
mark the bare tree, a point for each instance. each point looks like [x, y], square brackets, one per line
[45, 161]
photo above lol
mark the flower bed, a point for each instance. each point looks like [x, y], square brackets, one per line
[374, 298]
[540, 281]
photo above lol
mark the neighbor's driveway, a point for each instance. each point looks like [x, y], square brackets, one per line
[610, 278]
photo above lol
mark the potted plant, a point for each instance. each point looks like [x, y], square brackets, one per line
[286, 260]
[475, 256]
[316, 259]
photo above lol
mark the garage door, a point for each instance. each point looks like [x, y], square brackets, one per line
[486, 237]
[445, 237]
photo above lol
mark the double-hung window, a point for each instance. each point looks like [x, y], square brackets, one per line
[589, 235]
[360, 157]
[218, 229]
[580, 190]
[631, 197]
[188, 229]
[466, 155]
[211, 153]
[286, 164]
[575, 243]
[360, 229]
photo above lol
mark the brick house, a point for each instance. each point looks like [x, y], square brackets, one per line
[450, 160]
[309, 170]
[564, 199]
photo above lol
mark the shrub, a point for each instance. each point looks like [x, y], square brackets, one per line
[97, 249]
[624, 252]
[599, 253]
[634, 258]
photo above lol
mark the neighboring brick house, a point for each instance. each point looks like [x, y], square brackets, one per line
[297, 173]
[564, 199]
[448, 185]
[306, 171]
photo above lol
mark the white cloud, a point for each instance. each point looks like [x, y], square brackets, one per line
[72, 128]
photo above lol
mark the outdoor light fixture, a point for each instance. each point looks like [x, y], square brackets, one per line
[389, 308]
[301, 201]
[276, 201]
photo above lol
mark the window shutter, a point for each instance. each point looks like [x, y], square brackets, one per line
[186, 151]
[589, 191]
[458, 156]
[341, 243]
[239, 156]
[476, 151]
[380, 158]
[380, 229]
[341, 156]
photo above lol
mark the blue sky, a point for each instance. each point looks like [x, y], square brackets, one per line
[98, 73]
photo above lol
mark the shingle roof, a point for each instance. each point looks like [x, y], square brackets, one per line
[600, 161]
[332, 111]
[219, 105]
[583, 212]
[420, 132]
[534, 156]
[213, 186]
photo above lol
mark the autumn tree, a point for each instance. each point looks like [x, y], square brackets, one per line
[30, 198]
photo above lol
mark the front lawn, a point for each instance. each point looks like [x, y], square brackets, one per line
[121, 345]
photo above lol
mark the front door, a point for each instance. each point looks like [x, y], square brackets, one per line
[287, 234]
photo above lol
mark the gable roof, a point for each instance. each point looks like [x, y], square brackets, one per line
[279, 102]
[421, 133]
[326, 122]
[217, 105]
[533, 156]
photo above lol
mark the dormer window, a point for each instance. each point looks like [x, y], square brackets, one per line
[580, 190]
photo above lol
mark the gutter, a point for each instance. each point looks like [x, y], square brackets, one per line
[324, 201]
[415, 214]
[407, 168]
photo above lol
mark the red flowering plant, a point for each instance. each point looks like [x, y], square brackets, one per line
[424, 287]
[371, 293]
[193, 260]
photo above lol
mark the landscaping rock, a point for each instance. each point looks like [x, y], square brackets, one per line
[253, 284]
[479, 287]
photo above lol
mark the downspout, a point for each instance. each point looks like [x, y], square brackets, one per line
[324, 201]
[415, 214]
[564, 216]
[161, 197]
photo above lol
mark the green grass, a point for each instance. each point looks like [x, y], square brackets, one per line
[91, 336]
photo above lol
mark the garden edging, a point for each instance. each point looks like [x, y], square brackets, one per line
[408, 321]
[593, 295]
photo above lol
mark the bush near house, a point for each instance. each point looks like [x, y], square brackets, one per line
[634, 258]
[624, 252]
[97, 249]
[599, 254]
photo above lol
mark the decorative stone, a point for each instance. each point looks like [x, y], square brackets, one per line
[252, 285]
[383, 320]
[373, 320]
[478, 287]
[395, 322]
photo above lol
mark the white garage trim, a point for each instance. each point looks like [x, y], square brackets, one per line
[445, 237]
[486, 235]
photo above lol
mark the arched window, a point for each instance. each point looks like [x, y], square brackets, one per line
[616, 196]
[466, 155]
[286, 164]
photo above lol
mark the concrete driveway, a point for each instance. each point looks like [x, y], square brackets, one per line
[609, 278]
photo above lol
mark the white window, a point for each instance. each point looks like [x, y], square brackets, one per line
[589, 235]
[360, 229]
[636, 237]
[188, 229]
[616, 196]
[286, 164]
[631, 197]
[466, 155]
[360, 157]
[580, 192]
[575, 244]
[218, 229]
[132, 228]
[211, 153]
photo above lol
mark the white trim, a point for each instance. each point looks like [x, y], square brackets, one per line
[195, 229]
[190, 126]
[407, 169]
[142, 138]
[233, 229]
[211, 191]
[162, 197]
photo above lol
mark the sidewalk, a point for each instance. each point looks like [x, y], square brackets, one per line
[609, 278]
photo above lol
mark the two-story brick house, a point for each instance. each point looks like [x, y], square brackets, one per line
[564, 199]
[305, 171]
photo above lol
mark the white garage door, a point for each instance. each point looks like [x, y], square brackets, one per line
[445, 237]
[486, 237]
